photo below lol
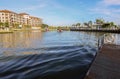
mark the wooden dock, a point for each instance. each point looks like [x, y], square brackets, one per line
[106, 64]
[96, 30]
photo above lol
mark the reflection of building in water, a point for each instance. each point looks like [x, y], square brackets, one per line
[19, 39]
[110, 39]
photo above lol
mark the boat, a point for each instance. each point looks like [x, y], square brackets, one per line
[59, 30]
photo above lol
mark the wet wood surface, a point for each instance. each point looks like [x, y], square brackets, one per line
[106, 64]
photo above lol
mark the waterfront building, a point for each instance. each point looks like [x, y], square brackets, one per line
[8, 17]
[15, 20]
[35, 22]
[25, 19]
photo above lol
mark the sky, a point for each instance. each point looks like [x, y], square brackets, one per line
[66, 12]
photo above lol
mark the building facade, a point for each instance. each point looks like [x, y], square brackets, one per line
[12, 19]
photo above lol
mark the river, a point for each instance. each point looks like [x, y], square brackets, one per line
[46, 55]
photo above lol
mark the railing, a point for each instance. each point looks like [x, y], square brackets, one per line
[104, 39]
[101, 41]
[108, 39]
[100, 44]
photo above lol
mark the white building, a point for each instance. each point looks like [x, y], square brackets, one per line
[22, 19]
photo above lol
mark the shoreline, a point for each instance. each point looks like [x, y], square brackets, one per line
[2, 32]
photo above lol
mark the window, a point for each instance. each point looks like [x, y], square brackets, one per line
[6, 14]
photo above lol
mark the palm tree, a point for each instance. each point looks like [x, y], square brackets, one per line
[86, 24]
[112, 24]
[109, 25]
[78, 24]
[73, 25]
[99, 21]
[90, 23]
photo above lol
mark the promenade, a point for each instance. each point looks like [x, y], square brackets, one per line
[106, 64]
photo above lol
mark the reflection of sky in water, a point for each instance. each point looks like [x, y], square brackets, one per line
[46, 55]
[38, 42]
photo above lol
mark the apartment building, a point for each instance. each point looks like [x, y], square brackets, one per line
[21, 19]
[9, 17]
[35, 21]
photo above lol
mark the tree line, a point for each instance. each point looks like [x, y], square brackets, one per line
[100, 22]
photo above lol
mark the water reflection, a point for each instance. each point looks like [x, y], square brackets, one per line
[46, 55]
[19, 39]
[37, 42]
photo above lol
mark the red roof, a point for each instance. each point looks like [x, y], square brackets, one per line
[23, 14]
[7, 11]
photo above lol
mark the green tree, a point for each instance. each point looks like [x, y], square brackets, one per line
[16, 25]
[86, 24]
[90, 23]
[1, 24]
[44, 26]
[112, 24]
[73, 25]
[106, 25]
[78, 24]
[99, 21]
[6, 24]
[109, 25]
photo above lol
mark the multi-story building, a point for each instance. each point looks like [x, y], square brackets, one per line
[7, 16]
[35, 22]
[25, 18]
[22, 19]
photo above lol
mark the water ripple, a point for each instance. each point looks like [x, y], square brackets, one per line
[60, 65]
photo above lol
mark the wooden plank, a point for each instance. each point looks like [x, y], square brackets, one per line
[106, 64]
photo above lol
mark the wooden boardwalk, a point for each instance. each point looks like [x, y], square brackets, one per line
[96, 30]
[106, 64]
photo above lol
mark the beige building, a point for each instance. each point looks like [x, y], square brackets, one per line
[35, 21]
[9, 17]
[19, 20]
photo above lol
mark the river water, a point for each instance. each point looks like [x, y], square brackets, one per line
[46, 55]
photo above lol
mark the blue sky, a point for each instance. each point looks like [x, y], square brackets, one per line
[66, 12]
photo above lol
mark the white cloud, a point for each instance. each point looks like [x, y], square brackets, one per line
[33, 7]
[105, 8]
[111, 2]
[39, 5]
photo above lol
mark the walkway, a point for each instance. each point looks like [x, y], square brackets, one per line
[106, 64]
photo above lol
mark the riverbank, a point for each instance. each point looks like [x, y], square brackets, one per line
[106, 64]
[4, 31]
